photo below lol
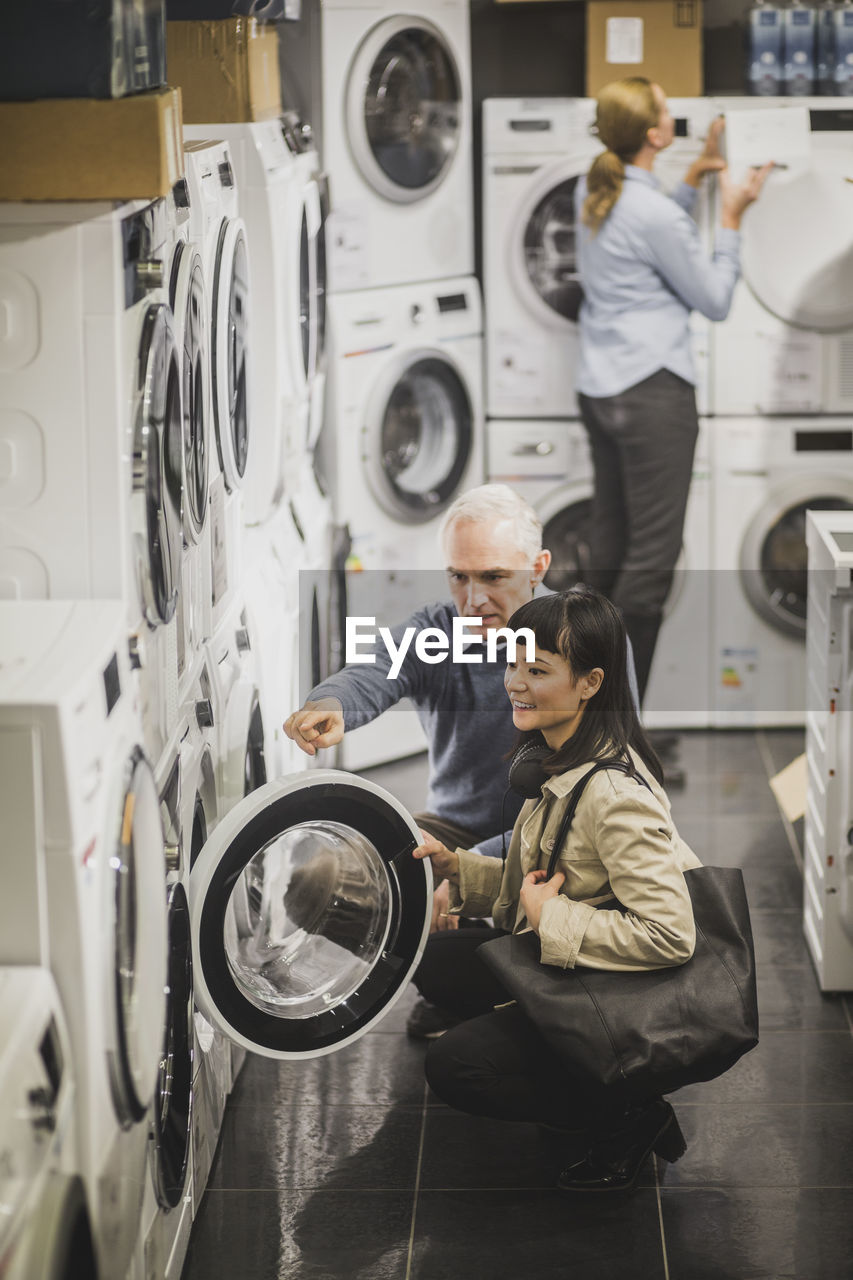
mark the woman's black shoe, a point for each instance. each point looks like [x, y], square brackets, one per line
[613, 1162]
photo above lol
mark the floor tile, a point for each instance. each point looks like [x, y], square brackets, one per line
[475, 1152]
[779, 938]
[785, 1067]
[301, 1145]
[764, 1145]
[375, 1071]
[756, 1234]
[759, 846]
[783, 745]
[510, 1235]
[297, 1235]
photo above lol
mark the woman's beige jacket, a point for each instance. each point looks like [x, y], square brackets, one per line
[622, 844]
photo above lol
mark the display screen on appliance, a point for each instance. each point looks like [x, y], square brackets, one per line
[823, 441]
[453, 302]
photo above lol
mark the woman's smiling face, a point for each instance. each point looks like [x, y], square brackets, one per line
[546, 696]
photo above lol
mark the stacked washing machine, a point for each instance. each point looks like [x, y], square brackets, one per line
[280, 195]
[534, 153]
[782, 390]
[390, 95]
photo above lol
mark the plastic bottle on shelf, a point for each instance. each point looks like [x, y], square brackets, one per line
[843, 61]
[825, 47]
[798, 24]
[764, 49]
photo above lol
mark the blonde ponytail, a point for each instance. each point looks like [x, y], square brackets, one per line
[626, 111]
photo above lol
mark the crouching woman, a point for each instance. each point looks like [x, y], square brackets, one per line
[618, 899]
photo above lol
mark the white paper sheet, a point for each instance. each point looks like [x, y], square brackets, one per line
[756, 136]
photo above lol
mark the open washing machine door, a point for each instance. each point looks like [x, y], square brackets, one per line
[157, 468]
[418, 435]
[404, 108]
[774, 557]
[308, 913]
[229, 350]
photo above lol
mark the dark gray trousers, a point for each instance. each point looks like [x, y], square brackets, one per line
[642, 444]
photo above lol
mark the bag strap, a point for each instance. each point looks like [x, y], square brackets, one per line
[574, 799]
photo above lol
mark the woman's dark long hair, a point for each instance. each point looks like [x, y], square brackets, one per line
[585, 628]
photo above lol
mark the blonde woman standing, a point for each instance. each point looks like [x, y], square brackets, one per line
[643, 271]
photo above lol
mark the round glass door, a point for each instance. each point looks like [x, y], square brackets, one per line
[171, 1111]
[566, 534]
[405, 108]
[137, 876]
[189, 307]
[158, 459]
[418, 438]
[229, 354]
[550, 251]
[309, 914]
[774, 558]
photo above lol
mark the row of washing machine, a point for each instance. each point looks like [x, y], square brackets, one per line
[731, 651]
[150, 649]
[787, 344]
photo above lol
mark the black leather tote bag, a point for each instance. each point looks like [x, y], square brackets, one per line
[649, 1032]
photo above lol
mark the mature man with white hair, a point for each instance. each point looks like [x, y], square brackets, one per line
[492, 546]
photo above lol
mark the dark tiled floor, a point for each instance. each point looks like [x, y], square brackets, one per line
[346, 1168]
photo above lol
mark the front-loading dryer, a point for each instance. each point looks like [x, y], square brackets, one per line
[389, 95]
[280, 196]
[534, 153]
[91, 426]
[239, 729]
[768, 472]
[219, 233]
[45, 1229]
[84, 881]
[787, 343]
[309, 914]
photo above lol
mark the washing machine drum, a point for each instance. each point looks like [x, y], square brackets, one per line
[550, 250]
[566, 535]
[405, 108]
[229, 351]
[774, 560]
[308, 914]
[418, 439]
[158, 468]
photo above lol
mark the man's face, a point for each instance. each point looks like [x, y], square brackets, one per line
[490, 576]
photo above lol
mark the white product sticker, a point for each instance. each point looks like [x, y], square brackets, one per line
[780, 134]
[348, 238]
[624, 40]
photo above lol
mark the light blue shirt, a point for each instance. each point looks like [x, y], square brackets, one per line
[642, 274]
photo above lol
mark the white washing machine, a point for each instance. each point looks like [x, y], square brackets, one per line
[390, 99]
[309, 914]
[218, 231]
[767, 473]
[403, 438]
[404, 423]
[84, 881]
[534, 152]
[787, 345]
[45, 1229]
[90, 423]
[279, 190]
[828, 870]
[271, 588]
[548, 463]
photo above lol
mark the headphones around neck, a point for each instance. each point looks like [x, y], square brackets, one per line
[526, 774]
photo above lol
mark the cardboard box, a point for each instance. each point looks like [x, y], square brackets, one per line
[659, 39]
[77, 49]
[91, 149]
[227, 71]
